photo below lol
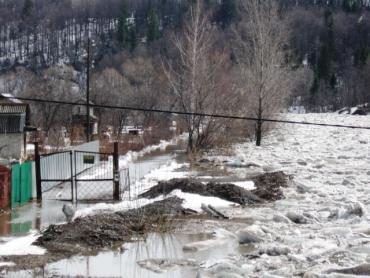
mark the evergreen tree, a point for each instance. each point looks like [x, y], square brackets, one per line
[153, 26]
[226, 13]
[323, 68]
[27, 8]
[123, 30]
[361, 48]
[350, 6]
[132, 38]
[327, 49]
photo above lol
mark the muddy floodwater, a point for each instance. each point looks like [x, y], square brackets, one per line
[123, 262]
[37, 216]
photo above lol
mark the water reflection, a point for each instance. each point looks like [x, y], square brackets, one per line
[123, 262]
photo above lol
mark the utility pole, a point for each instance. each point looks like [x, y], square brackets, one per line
[88, 131]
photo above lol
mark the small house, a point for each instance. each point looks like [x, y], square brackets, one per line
[14, 120]
[79, 123]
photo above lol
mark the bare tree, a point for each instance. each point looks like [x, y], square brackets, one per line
[265, 74]
[194, 78]
[111, 88]
[53, 83]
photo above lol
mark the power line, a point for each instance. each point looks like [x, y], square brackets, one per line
[187, 113]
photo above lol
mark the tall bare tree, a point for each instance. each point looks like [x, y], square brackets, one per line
[111, 88]
[194, 77]
[265, 74]
[55, 83]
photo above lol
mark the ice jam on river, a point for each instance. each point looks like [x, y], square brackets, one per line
[320, 229]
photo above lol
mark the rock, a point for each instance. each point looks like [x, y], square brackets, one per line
[301, 162]
[164, 265]
[279, 218]
[301, 188]
[297, 218]
[346, 182]
[357, 209]
[247, 236]
[226, 270]
[277, 250]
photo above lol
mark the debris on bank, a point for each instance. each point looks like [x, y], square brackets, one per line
[268, 188]
[109, 230]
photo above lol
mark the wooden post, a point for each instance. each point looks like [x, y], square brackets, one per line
[116, 173]
[88, 131]
[38, 172]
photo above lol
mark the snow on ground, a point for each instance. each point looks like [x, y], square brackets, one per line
[195, 201]
[247, 185]
[2, 264]
[130, 197]
[166, 172]
[131, 155]
[329, 196]
[21, 246]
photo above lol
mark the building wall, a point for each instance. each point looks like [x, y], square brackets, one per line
[11, 145]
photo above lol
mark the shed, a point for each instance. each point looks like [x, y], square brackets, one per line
[14, 119]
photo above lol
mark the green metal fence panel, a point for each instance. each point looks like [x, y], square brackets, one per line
[26, 182]
[21, 184]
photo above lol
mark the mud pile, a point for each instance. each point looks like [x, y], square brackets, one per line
[106, 230]
[268, 188]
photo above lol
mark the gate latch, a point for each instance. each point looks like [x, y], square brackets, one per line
[116, 177]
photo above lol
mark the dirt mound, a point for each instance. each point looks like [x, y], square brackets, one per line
[105, 230]
[268, 188]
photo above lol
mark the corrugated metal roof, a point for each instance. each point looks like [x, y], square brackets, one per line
[12, 109]
[9, 98]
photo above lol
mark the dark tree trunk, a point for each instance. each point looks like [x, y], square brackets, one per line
[259, 124]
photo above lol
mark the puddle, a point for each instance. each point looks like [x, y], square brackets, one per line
[123, 263]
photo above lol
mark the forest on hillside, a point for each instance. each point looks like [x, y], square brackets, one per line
[136, 47]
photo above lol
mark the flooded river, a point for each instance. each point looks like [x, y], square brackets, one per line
[123, 262]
